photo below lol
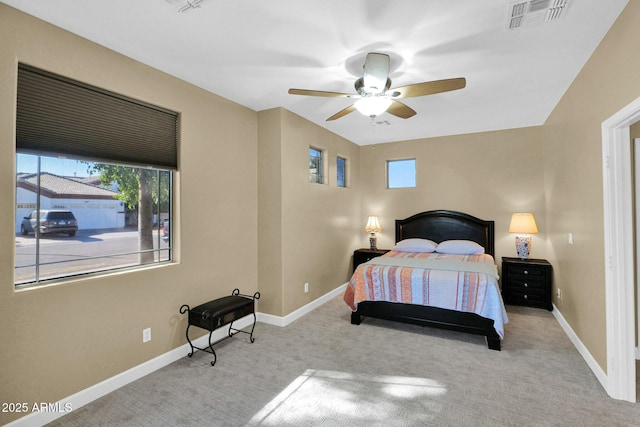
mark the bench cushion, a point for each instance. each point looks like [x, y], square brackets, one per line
[221, 311]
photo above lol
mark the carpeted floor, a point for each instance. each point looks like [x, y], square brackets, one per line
[321, 370]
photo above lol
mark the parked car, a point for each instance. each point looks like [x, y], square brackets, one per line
[51, 221]
[165, 230]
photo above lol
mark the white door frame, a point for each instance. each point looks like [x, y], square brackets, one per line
[618, 252]
[636, 218]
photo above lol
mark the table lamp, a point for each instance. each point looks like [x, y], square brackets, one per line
[372, 227]
[524, 225]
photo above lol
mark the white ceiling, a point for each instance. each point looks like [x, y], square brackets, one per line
[253, 51]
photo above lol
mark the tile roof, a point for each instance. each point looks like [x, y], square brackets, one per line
[61, 187]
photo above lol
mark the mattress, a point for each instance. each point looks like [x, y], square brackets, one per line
[467, 283]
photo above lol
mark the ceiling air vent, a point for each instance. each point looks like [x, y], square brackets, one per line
[535, 12]
[184, 5]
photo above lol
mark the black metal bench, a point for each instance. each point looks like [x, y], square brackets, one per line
[218, 313]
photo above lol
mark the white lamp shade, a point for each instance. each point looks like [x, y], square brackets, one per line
[373, 225]
[372, 105]
[523, 223]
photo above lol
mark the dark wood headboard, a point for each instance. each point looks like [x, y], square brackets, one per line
[443, 225]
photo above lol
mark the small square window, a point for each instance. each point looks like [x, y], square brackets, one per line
[401, 173]
[316, 166]
[341, 164]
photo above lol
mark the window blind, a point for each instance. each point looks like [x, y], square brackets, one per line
[63, 117]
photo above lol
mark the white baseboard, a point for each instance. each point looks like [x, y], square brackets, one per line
[88, 395]
[284, 321]
[582, 349]
[96, 391]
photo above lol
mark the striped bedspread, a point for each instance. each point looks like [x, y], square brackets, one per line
[456, 282]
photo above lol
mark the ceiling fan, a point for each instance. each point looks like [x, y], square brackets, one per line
[374, 95]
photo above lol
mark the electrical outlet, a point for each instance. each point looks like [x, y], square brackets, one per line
[306, 287]
[146, 335]
[559, 294]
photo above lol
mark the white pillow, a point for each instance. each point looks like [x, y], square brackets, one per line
[460, 247]
[415, 245]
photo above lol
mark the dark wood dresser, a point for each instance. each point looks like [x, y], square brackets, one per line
[527, 282]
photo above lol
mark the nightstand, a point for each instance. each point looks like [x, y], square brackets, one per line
[365, 254]
[527, 282]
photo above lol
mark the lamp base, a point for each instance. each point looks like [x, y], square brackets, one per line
[373, 242]
[523, 246]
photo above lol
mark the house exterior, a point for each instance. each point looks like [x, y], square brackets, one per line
[94, 207]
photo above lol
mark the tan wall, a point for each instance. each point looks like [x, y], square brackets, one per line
[488, 175]
[317, 223]
[573, 176]
[564, 157]
[270, 211]
[61, 339]
[319, 220]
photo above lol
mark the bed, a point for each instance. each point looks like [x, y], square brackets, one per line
[389, 282]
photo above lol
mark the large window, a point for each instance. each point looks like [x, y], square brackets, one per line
[93, 182]
[401, 173]
[76, 217]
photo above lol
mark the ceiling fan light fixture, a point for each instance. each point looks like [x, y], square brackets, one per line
[372, 106]
[373, 101]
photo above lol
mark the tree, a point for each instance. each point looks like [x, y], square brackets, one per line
[138, 189]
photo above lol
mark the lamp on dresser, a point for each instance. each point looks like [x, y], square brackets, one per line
[373, 227]
[524, 225]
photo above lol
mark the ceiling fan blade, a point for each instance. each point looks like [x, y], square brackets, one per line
[376, 72]
[342, 113]
[401, 110]
[320, 93]
[428, 88]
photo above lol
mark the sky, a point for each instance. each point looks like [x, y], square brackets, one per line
[64, 167]
[401, 173]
